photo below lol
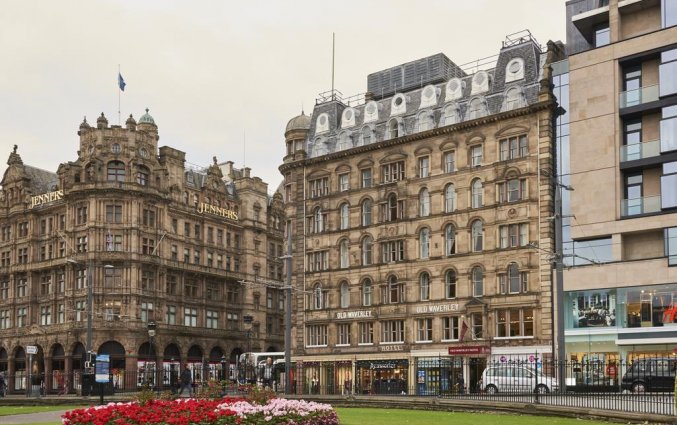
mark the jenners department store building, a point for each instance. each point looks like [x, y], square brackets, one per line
[416, 211]
[159, 242]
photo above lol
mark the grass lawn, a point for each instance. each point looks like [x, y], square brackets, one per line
[360, 416]
[19, 410]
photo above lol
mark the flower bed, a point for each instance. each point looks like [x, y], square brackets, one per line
[277, 411]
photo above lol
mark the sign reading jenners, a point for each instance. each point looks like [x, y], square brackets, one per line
[204, 208]
[46, 198]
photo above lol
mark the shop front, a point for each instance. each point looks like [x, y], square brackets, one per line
[440, 375]
[475, 361]
[381, 376]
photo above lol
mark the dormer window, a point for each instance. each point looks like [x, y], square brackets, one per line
[366, 135]
[322, 123]
[514, 71]
[395, 128]
[398, 105]
[480, 82]
[429, 97]
[425, 121]
[454, 89]
[344, 141]
[477, 108]
[348, 118]
[452, 115]
[514, 99]
[371, 112]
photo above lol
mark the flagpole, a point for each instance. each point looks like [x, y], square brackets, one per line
[119, 119]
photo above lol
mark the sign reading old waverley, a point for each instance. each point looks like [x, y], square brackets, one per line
[204, 208]
[46, 198]
[436, 308]
[358, 314]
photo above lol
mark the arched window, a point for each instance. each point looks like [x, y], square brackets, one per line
[116, 171]
[392, 207]
[451, 115]
[514, 278]
[477, 236]
[424, 283]
[425, 121]
[318, 297]
[476, 193]
[366, 292]
[366, 135]
[345, 216]
[367, 244]
[343, 249]
[424, 243]
[450, 198]
[477, 281]
[345, 295]
[395, 129]
[318, 220]
[366, 212]
[142, 175]
[344, 141]
[394, 293]
[513, 99]
[476, 108]
[450, 284]
[450, 239]
[424, 203]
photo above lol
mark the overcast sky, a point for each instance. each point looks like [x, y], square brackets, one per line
[219, 74]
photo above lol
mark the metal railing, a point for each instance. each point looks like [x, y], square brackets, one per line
[639, 96]
[640, 150]
[637, 206]
[643, 385]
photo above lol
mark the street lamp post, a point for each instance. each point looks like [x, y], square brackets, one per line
[223, 367]
[248, 357]
[152, 326]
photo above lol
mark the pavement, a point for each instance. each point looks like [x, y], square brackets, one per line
[32, 418]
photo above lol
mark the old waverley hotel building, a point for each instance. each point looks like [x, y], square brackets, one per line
[421, 216]
[158, 243]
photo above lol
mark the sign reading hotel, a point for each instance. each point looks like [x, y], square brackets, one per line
[46, 198]
[204, 208]
[359, 314]
[439, 308]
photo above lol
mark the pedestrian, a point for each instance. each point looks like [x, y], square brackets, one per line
[185, 379]
[3, 385]
[461, 384]
[347, 385]
[315, 385]
[268, 373]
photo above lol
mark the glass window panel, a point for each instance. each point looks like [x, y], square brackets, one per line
[669, 12]
[669, 191]
[669, 134]
[668, 78]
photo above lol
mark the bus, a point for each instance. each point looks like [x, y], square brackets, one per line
[249, 366]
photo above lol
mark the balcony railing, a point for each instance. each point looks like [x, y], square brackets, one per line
[637, 206]
[639, 96]
[640, 150]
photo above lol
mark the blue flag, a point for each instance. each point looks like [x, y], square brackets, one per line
[121, 82]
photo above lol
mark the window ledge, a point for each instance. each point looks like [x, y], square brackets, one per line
[512, 337]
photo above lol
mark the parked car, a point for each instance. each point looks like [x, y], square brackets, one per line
[516, 379]
[650, 374]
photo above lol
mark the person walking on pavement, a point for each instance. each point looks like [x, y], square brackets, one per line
[186, 379]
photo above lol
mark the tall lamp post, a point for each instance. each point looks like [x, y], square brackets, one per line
[224, 362]
[248, 319]
[152, 326]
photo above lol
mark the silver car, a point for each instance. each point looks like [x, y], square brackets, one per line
[516, 379]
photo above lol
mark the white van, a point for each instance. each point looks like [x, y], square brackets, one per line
[516, 379]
